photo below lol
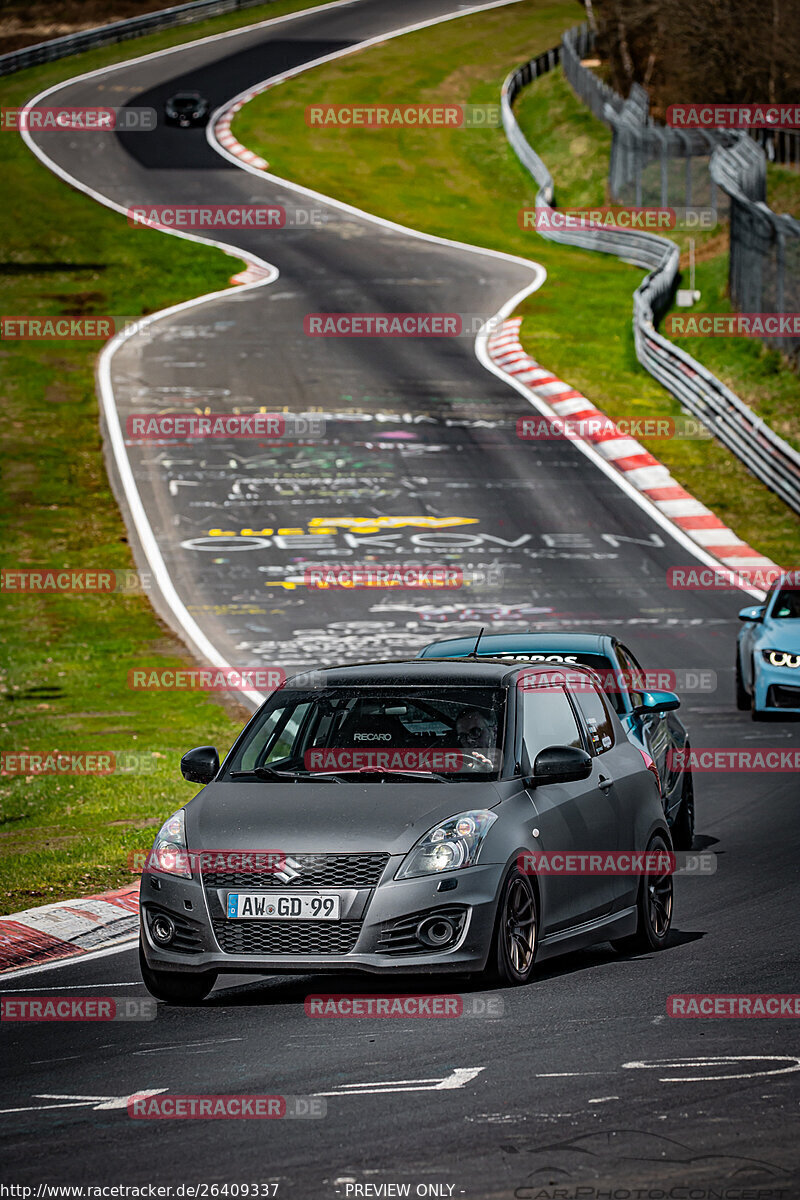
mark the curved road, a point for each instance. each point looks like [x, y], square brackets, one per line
[568, 1091]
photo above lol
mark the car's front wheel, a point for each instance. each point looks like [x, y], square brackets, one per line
[514, 945]
[653, 908]
[174, 987]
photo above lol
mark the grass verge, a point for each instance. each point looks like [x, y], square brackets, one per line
[470, 186]
[64, 659]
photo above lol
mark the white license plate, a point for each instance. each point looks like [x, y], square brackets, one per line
[283, 906]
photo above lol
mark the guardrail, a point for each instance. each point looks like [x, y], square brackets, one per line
[769, 457]
[119, 31]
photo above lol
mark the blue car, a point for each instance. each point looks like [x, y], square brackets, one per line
[768, 653]
[648, 717]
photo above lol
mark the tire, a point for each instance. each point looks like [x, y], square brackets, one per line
[653, 919]
[173, 987]
[683, 826]
[513, 952]
[742, 695]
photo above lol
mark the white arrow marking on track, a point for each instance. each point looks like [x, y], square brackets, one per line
[457, 1079]
[98, 1103]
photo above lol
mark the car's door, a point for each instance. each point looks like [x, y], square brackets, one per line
[574, 818]
[621, 778]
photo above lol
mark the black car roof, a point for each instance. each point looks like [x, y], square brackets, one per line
[444, 671]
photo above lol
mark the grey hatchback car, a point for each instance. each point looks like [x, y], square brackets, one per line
[395, 817]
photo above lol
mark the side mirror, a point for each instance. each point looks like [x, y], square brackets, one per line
[755, 612]
[200, 765]
[561, 764]
[657, 702]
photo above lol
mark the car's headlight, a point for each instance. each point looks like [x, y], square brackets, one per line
[453, 843]
[781, 658]
[169, 854]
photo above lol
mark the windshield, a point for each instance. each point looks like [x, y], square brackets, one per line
[387, 732]
[787, 605]
[186, 101]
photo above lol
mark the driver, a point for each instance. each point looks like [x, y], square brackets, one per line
[477, 731]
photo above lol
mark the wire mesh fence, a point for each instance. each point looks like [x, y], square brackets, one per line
[716, 169]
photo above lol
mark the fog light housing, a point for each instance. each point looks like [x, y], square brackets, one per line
[437, 932]
[162, 929]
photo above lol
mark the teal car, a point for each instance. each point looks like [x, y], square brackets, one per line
[647, 716]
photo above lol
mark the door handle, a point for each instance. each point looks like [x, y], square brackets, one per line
[605, 782]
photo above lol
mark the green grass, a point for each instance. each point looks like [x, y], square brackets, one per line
[64, 659]
[470, 186]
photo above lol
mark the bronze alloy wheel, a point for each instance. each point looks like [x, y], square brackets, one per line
[517, 925]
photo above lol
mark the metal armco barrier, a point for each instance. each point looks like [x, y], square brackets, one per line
[119, 31]
[769, 457]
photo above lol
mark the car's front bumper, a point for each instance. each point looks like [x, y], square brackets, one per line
[777, 689]
[198, 913]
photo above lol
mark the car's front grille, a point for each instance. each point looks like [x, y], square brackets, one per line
[287, 937]
[307, 870]
[781, 696]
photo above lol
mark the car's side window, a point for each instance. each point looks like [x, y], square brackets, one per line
[276, 737]
[547, 720]
[632, 672]
[282, 745]
[595, 710]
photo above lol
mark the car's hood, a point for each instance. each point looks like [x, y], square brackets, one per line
[316, 818]
[780, 635]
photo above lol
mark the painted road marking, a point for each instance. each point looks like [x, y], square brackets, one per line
[98, 1103]
[457, 1079]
